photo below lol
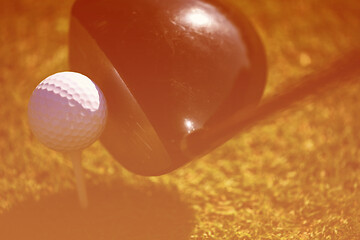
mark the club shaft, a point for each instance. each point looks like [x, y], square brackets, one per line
[347, 68]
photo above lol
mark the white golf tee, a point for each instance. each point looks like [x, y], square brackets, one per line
[76, 158]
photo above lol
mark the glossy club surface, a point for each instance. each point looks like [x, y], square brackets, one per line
[167, 69]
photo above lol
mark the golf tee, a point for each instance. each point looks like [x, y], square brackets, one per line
[75, 157]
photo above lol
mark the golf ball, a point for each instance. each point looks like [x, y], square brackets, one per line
[67, 111]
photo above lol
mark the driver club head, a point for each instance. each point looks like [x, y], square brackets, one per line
[167, 69]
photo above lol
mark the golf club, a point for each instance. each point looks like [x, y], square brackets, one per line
[181, 77]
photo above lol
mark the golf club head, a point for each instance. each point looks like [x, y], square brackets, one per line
[167, 68]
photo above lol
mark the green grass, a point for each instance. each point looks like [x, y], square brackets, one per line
[295, 176]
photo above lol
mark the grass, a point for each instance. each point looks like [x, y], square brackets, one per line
[295, 176]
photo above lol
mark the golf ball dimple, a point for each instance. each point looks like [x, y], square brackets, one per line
[67, 111]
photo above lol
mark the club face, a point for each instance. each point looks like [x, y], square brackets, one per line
[167, 68]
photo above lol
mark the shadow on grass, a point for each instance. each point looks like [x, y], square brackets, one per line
[115, 212]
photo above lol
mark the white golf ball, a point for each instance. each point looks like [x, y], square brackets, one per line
[67, 111]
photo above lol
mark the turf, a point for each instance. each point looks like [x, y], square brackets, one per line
[294, 176]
